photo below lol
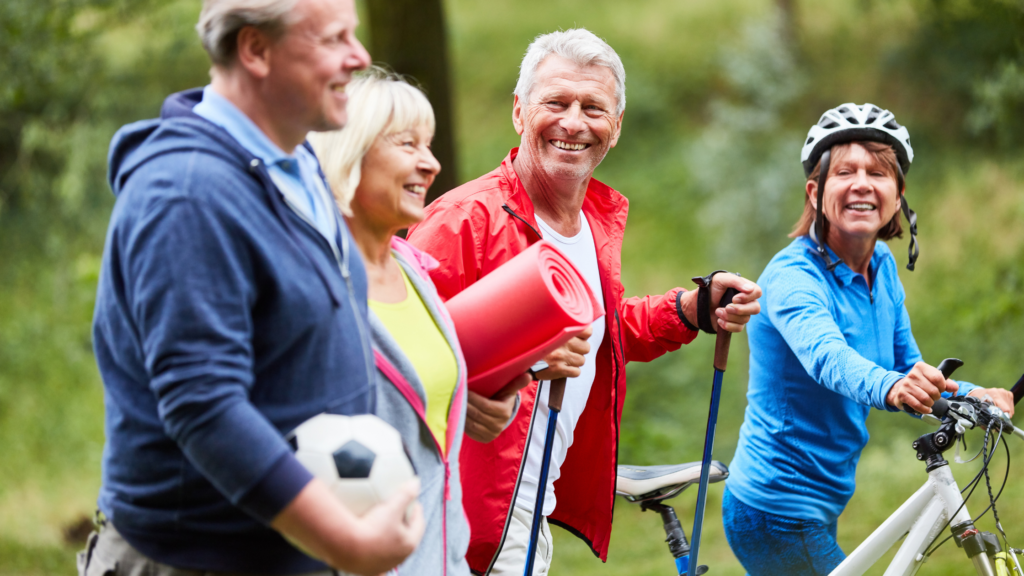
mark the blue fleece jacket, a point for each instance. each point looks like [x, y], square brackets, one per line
[223, 320]
[824, 351]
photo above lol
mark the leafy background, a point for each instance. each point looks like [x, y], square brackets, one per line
[720, 95]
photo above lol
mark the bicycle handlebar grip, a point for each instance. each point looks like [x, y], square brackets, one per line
[1018, 390]
[941, 406]
[723, 337]
[949, 365]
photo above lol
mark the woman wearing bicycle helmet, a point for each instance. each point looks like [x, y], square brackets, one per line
[832, 342]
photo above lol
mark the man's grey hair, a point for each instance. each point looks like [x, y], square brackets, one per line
[220, 21]
[579, 46]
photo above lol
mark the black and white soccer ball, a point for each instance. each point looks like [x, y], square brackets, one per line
[361, 458]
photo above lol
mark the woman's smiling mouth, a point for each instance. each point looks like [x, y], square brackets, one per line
[861, 207]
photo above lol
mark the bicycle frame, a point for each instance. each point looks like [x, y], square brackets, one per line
[922, 518]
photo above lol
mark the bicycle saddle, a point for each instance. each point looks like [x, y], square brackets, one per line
[640, 483]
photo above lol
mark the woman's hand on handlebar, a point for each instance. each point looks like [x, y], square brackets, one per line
[998, 396]
[921, 388]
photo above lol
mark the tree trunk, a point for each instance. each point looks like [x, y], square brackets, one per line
[788, 9]
[409, 36]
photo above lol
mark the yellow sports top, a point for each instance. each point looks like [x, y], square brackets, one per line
[413, 328]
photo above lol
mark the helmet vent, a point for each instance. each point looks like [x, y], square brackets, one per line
[828, 123]
[809, 140]
[873, 115]
[849, 115]
[892, 125]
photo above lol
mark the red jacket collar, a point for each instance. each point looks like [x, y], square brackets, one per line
[601, 202]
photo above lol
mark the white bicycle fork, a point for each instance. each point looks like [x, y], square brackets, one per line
[922, 518]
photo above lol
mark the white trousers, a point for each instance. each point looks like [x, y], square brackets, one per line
[512, 557]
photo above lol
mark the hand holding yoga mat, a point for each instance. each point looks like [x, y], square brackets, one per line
[519, 313]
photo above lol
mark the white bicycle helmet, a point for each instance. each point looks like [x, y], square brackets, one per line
[850, 123]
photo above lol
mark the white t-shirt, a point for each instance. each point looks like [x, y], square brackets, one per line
[582, 253]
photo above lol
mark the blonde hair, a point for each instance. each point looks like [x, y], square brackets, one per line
[380, 103]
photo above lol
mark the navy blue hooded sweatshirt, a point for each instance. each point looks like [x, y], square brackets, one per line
[223, 320]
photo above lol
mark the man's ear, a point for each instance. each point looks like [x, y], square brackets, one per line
[617, 130]
[254, 51]
[517, 115]
[812, 193]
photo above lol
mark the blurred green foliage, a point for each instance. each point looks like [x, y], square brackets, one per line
[974, 53]
[721, 93]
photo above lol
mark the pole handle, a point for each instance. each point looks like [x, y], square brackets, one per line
[556, 394]
[723, 337]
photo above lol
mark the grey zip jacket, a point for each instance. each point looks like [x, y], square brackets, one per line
[401, 402]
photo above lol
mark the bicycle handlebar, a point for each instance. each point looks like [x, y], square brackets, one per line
[1018, 390]
[970, 410]
[941, 406]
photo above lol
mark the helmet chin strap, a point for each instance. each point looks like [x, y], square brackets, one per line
[819, 220]
[912, 251]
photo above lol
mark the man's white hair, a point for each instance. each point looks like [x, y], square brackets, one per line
[220, 21]
[579, 46]
[380, 103]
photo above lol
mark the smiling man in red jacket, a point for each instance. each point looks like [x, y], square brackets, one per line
[568, 110]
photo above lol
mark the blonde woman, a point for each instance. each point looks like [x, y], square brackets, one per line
[380, 167]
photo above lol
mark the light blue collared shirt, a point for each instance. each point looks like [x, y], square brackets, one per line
[296, 175]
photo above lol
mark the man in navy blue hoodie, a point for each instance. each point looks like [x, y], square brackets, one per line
[231, 308]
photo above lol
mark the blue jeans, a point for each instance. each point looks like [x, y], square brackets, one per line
[768, 544]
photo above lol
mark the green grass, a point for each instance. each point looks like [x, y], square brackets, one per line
[18, 558]
[701, 192]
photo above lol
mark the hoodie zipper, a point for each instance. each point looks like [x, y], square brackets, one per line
[342, 261]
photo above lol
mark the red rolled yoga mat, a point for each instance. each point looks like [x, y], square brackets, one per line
[519, 313]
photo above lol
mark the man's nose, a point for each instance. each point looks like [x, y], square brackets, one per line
[572, 121]
[359, 58]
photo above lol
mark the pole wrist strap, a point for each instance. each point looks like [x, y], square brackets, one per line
[704, 320]
[679, 311]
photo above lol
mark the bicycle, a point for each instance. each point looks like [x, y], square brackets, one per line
[650, 486]
[938, 504]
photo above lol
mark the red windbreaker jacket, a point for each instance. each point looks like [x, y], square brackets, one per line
[472, 230]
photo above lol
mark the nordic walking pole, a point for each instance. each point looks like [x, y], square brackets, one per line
[722, 340]
[554, 407]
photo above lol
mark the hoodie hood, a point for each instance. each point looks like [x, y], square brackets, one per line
[176, 130]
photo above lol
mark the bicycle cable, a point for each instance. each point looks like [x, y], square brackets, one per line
[988, 485]
[986, 459]
[992, 500]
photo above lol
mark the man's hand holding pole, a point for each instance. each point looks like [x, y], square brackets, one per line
[733, 316]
